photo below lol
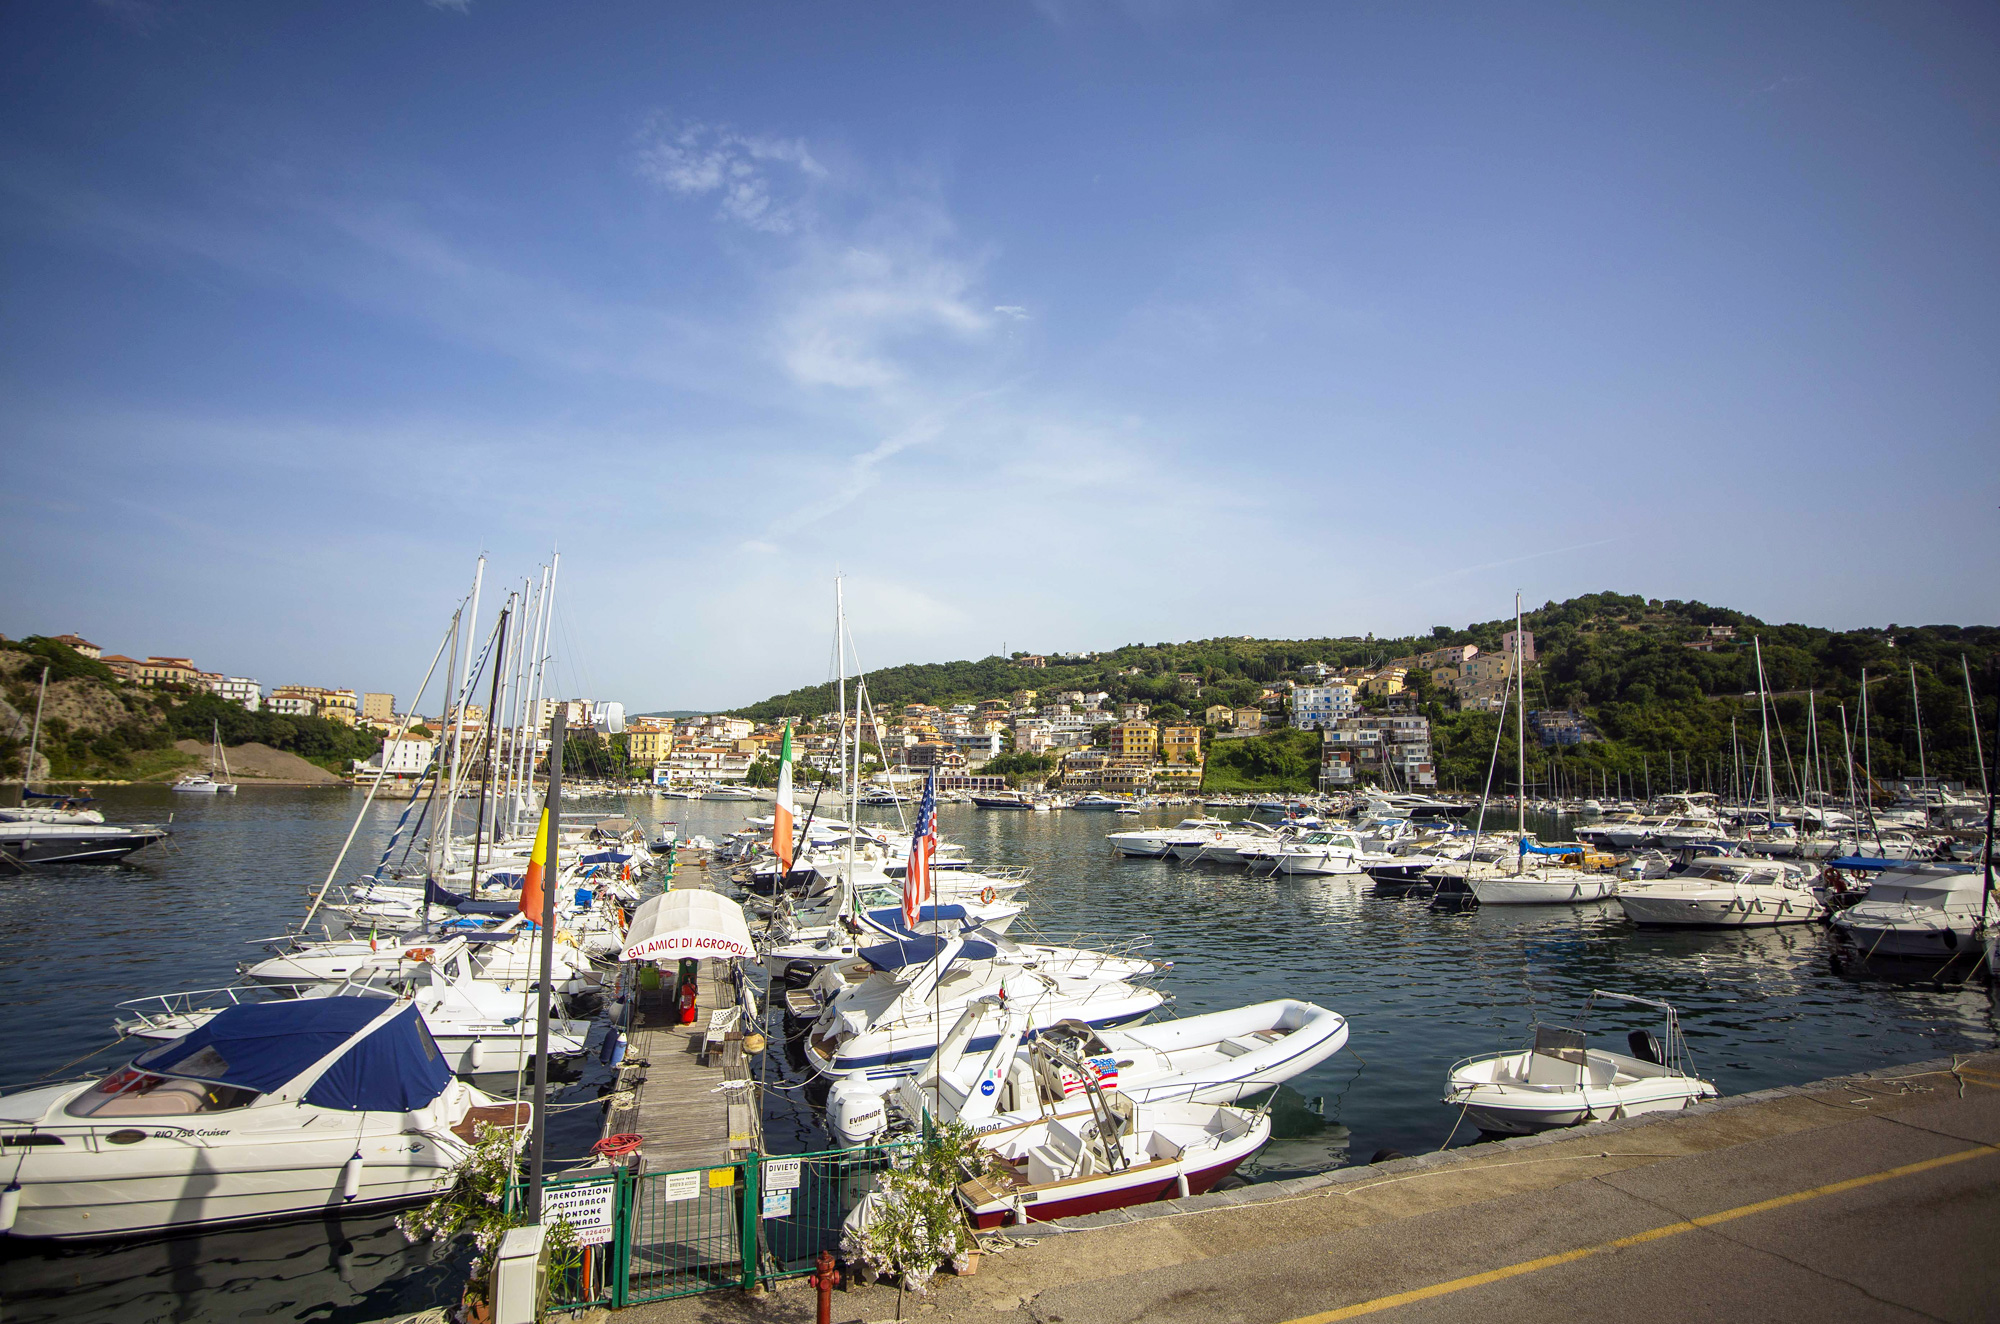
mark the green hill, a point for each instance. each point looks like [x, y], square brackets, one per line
[1622, 661]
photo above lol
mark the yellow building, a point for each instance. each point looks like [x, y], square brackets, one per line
[1389, 680]
[1135, 740]
[647, 747]
[168, 671]
[1178, 776]
[1180, 744]
[339, 706]
[378, 707]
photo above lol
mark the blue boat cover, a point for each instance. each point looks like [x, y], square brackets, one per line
[437, 896]
[262, 1045]
[1869, 862]
[890, 918]
[502, 908]
[916, 951]
[604, 857]
[1529, 848]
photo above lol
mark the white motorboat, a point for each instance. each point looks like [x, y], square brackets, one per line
[478, 1026]
[1314, 854]
[1540, 885]
[1214, 1058]
[1227, 845]
[271, 1110]
[1720, 892]
[1152, 843]
[1560, 1081]
[890, 1020]
[1934, 910]
[1107, 1153]
[499, 956]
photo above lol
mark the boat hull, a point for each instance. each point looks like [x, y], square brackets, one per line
[79, 847]
[1097, 1196]
[1684, 912]
[1531, 892]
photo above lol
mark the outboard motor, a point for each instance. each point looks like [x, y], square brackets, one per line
[1646, 1047]
[857, 1110]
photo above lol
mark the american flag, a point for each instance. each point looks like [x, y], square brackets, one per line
[923, 846]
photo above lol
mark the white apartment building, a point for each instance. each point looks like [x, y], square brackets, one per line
[1318, 707]
[398, 758]
[237, 689]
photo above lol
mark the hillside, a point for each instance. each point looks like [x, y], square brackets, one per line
[1622, 661]
[95, 727]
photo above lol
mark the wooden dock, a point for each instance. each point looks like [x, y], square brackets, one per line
[673, 1088]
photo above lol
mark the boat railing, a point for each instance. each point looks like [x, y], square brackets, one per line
[160, 1010]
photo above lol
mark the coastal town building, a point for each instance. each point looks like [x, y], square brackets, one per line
[1389, 680]
[167, 671]
[80, 645]
[237, 689]
[1135, 739]
[121, 666]
[1316, 707]
[1248, 719]
[1527, 639]
[1560, 727]
[1180, 744]
[397, 758]
[1132, 712]
[1218, 714]
[1455, 656]
[338, 706]
[1393, 750]
[650, 744]
[294, 700]
[378, 707]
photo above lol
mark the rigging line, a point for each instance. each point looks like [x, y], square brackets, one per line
[362, 813]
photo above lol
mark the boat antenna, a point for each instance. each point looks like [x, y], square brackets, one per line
[551, 880]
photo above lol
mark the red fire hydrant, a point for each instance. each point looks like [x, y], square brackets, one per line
[825, 1280]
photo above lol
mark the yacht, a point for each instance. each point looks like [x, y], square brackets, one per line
[1315, 853]
[1920, 910]
[1094, 800]
[890, 1020]
[270, 1110]
[1216, 1058]
[32, 842]
[1152, 843]
[1721, 892]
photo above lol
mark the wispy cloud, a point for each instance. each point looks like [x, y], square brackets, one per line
[694, 159]
[1011, 310]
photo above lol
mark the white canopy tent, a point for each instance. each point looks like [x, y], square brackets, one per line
[688, 922]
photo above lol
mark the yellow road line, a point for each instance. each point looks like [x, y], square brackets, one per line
[1638, 1238]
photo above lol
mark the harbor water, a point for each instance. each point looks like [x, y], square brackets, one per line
[1420, 988]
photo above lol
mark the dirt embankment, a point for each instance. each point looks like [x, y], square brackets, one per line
[260, 763]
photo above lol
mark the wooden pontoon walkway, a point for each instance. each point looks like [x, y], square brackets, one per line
[679, 1102]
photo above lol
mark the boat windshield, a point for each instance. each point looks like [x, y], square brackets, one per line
[131, 1093]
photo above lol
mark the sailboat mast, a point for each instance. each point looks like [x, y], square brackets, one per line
[1923, 769]
[432, 847]
[35, 736]
[1520, 744]
[457, 718]
[1847, 752]
[492, 733]
[1764, 714]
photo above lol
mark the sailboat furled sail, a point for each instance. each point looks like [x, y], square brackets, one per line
[531, 884]
[781, 824]
[923, 848]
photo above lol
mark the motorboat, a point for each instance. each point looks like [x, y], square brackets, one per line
[1153, 843]
[890, 1020]
[1314, 853]
[1003, 800]
[816, 938]
[270, 1110]
[1096, 800]
[1717, 892]
[1106, 1152]
[76, 843]
[1936, 910]
[1539, 885]
[1226, 846]
[499, 955]
[479, 1026]
[1214, 1058]
[1560, 1081]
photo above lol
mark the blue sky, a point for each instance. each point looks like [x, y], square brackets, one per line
[1057, 325]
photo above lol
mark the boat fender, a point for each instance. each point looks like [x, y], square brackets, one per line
[350, 1177]
[418, 954]
[1181, 1186]
[10, 1206]
[612, 1051]
[476, 1058]
[986, 896]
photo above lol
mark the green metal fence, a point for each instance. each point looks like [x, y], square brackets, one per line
[679, 1233]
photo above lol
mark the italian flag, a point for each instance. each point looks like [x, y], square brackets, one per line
[531, 886]
[781, 829]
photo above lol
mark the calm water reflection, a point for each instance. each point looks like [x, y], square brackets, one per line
[1420, 989]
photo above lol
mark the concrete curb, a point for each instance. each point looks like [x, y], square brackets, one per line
[1265, 1192]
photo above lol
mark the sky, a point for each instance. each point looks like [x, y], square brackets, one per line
[1050, 326]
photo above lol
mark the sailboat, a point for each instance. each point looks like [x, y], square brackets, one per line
[207, 783]
[1540, 884]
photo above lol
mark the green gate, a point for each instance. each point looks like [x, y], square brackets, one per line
[684, 1232]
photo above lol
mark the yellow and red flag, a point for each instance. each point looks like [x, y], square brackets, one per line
[531, 886]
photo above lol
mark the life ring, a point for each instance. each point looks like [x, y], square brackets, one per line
[419, 954]
[987, 895]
